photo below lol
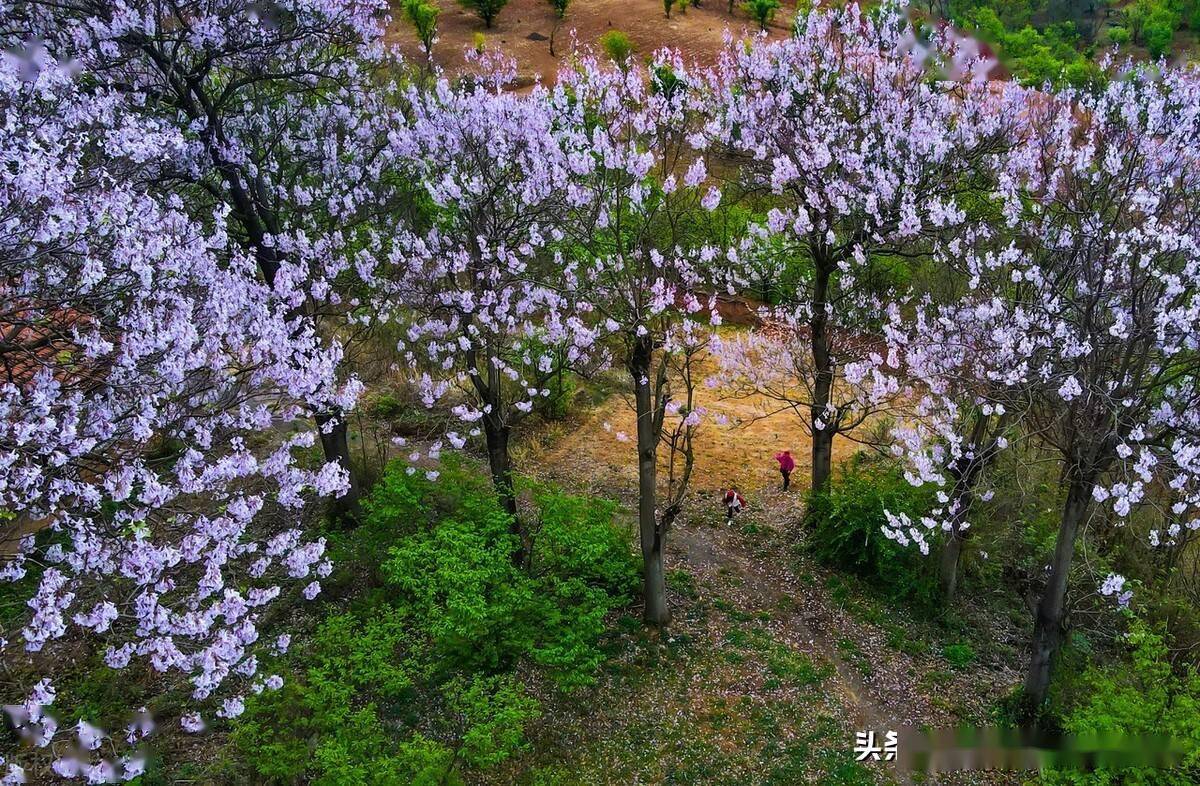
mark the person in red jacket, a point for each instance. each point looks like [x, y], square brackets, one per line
[734, 502]
[786, 465]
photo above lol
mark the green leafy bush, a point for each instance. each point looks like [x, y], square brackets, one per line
[1158, 31]
[761, 11]
[484, 9]
[577, 538]
[1119, 36]
[494, 710]
[416, 681]
[563, 388]
[459, 581]
[328, 721]
[848, 522]
[1036, 57]
[617, 46]
[483, 612]
[1140, 694]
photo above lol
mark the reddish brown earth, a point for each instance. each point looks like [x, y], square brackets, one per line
[698, 33]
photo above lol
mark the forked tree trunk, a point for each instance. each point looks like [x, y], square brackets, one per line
[984, 444]
[654, 586]
[335, 443]
[1048, 629]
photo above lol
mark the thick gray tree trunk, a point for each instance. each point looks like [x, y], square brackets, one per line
[1048, 631]
[823, 370]
[500, 464]
[654, 586]
[948, 568]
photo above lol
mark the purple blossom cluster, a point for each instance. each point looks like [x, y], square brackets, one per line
[146, 351]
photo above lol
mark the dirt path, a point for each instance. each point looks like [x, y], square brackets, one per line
[708, 550]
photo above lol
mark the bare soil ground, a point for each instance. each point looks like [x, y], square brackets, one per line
[698, 33]
[741, 452]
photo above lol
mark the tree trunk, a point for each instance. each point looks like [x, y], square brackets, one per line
[1048, 622]
[500, 464]
[948, 569]
[823, 367]
[553, 32]
[822, 458]
[984, 445]
[654, 587]
[334, 433]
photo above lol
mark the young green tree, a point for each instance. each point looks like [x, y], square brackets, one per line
[423, 16]
[484, 9]
[1158, 31]
[617, 46]
[560, 12]
[763, 11]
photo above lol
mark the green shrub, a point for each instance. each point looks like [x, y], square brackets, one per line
[464, 592]
[384, 406]
[416, 682]
[1158, 31]
[848, 522]
[960, 656]
[1141, 694]
[617, 46]
[423, 16]
[577, 538]
[482, 612]
[484, 9]
[761, 11]
[494, 710]
[1119, 36]
[1036, 56]
[563, 388]
[328, 721]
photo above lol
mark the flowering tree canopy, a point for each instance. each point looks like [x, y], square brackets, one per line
[867, 139]
[141, 355]
[1081, 311]
[282, 111]
[480, 289]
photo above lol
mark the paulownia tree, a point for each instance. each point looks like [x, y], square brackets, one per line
[482, 296]
[140, 355]
[866, 149]
[283, 108]
[1088, 292]
[955, 422]
[634, 176]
